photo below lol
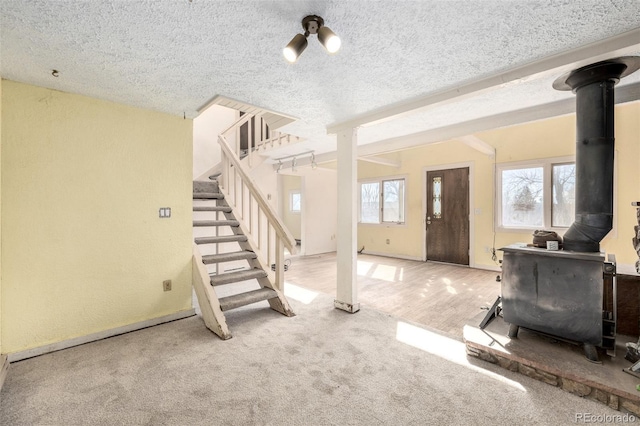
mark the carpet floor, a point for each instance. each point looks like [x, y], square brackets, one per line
[321, 367]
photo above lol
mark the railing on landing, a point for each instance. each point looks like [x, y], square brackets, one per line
[258, 136]
[258, 219]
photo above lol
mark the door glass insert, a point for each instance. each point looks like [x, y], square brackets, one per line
[437, 197]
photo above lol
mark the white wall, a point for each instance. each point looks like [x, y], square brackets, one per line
[319, 210]
[206, 127]
[319, 204]
[292, 220]
[266, 178]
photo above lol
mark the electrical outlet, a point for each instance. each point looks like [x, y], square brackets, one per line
[166, 285]
[388, 241]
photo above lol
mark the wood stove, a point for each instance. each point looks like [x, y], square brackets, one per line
[561, 293]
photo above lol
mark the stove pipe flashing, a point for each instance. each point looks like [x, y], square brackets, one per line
[595, 146]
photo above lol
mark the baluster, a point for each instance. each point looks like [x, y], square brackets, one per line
[250, 214]
[242, 199]
[217, 244]
[259, 228]
[250, 138]
[279, 263]
[269, 251]
[235, 187]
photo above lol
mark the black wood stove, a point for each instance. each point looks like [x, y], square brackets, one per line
[561, 293]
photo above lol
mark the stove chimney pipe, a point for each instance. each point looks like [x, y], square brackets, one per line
[595, 146]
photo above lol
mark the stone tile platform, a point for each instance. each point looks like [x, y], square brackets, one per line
[557, 363]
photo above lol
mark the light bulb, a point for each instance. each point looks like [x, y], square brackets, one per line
[295, 48]
[329, 40]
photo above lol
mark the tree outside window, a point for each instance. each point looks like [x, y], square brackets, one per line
[522, 197]
[383, 199]
[564, 194]
[370, 202]
[537, 196]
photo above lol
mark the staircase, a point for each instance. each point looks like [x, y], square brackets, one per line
[231, 259]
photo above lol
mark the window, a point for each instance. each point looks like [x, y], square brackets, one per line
[294, 201]
[536, 195]
[382, 201]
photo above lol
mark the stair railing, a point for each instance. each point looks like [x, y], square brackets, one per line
[258, 219]
[257, 139]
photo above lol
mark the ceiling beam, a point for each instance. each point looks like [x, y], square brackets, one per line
[380, 160]
[622, 44]
[478, 144]
[623, 94]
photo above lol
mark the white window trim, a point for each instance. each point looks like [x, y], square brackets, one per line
[547, 165]
[379, 180]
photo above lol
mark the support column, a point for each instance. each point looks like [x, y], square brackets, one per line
[347, 238]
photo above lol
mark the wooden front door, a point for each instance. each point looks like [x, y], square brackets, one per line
[447, 218]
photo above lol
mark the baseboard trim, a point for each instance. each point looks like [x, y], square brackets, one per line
[488, 268]
[65, 344]
[4, 367]
[395, 256]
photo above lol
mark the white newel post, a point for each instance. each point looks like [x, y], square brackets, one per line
[347, 238]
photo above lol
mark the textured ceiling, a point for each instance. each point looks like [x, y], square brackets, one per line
[176, 55]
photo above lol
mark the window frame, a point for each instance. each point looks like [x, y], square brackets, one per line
[547, 192]
[291, 194]
[380, 181]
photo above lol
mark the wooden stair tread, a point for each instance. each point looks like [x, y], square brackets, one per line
[221, 239]
[228, 257]
[243, 299]
[236, 276]
[216, 223]
[208, 196]
[212, 209]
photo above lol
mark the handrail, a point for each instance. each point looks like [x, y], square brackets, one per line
[266, 234]
[281, 230]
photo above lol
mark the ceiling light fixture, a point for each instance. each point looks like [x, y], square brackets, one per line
[279, 166]
[314, 165]
[311, 24]
[293, 165]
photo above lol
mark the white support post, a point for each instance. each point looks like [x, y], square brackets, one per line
[347, 238]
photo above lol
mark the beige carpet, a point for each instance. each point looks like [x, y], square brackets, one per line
[322, 367]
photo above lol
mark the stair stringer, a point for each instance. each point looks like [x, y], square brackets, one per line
[212, 315]
[279, 304]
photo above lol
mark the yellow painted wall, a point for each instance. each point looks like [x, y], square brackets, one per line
[627, 125]
[83, 248]
[542, 139]
[408, 240]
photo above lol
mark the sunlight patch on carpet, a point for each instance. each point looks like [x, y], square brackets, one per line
[444, 347]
